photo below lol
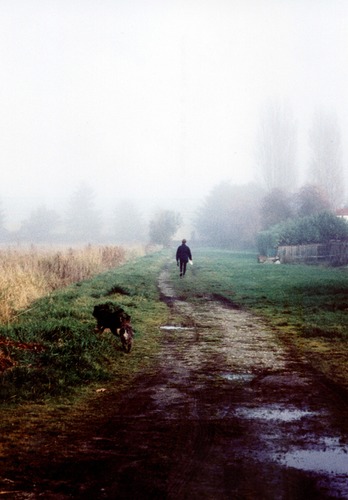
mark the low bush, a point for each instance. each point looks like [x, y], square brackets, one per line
[319, 228]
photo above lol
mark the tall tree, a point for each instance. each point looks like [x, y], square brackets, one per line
[230, 216]
[83, 219]
[311, 200]
[3, 230]
[128, 226]
[163, 226]
[40, 226]
[276, 207]
[276, 148]
[325, 169]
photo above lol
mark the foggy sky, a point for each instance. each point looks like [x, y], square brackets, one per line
[137, 96]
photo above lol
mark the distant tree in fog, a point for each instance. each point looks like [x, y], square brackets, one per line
[311, 200]
[2, 216]
[128, 225]
[276, 207]
[3, 231]
[163, 226]
[83, 220]
[276, 148]
[40, 226]
[230, 216]
[326, 168]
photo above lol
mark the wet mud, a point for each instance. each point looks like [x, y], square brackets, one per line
[228, 413]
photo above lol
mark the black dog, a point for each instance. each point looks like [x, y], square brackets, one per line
[109, 315]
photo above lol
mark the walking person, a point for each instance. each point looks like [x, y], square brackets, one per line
[183, 255]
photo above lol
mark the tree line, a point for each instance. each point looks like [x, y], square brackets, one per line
[274, 209]
[82, 222]
[249, 217]
[277, 158]
[230, 216]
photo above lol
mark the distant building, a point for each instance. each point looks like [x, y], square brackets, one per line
[343, 213]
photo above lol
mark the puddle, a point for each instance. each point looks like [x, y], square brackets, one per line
[271, 413]
[238, 377]
[331, 461]
[172, 327]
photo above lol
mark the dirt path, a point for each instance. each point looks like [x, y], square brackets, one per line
[228, 413]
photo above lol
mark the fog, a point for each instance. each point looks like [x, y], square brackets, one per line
[155, 101]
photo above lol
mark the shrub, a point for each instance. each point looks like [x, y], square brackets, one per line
[319, 228]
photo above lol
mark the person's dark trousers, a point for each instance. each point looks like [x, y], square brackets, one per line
[183, 265]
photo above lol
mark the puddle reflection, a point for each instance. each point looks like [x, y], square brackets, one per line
[331, 461]
[238, 377]
[173, 327]
[271, 413]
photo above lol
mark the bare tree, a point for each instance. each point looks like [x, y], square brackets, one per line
[276, 148]
[326, 169]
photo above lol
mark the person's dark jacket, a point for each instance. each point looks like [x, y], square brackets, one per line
[183, 253]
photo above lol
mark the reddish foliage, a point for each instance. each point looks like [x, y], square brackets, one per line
[6, 361]
[31, 346]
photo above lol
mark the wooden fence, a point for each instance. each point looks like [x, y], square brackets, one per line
[334, 253]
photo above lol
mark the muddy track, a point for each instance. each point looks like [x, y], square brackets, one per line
[228, 413]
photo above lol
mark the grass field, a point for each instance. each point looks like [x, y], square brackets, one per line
[306, 305]
[50, 349]
[313, 299]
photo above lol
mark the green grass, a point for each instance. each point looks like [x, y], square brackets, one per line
[307, 306]
[55, 391]
[307, 303]
[73, 354]
[312, 299]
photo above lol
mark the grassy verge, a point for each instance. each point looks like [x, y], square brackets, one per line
[27, 274]
[53, 351]
[52, 347]
[66, 377]
[60, 360]
[307, 305]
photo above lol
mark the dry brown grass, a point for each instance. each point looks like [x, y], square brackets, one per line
[27, 274]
